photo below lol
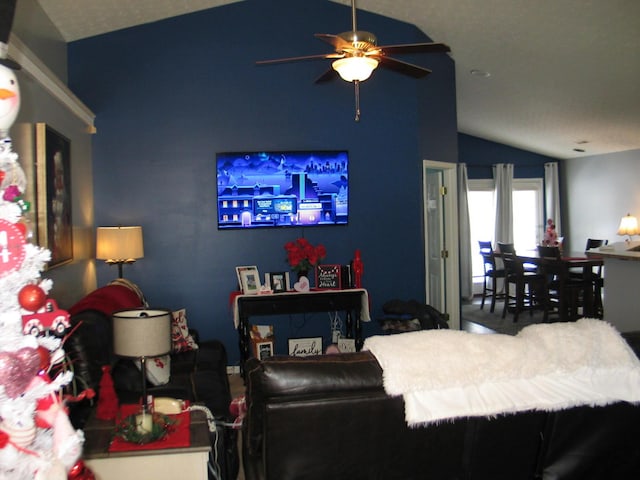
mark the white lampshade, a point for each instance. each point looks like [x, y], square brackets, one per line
[141, 333]
[355, 68]
[628, 225]
[119, 243]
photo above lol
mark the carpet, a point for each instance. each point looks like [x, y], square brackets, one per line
[471, 313]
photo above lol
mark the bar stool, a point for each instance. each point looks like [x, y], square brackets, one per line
[563, 291]
[491, 275]
[530, 289]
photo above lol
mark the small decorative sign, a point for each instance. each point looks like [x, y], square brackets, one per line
[329, 277]
[303, 347]
[347, 345]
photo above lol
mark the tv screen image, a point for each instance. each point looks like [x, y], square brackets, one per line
[282, 189]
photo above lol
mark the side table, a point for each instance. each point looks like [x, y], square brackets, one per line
[170, 463]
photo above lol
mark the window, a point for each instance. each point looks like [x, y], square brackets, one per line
[528, 223]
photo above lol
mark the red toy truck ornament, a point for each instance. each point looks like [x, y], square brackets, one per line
[48, 317]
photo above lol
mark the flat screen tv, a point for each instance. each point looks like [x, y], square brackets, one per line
[282, 189]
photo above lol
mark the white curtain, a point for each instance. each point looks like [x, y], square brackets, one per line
[552, 195]
[466, 274]
[503, 175]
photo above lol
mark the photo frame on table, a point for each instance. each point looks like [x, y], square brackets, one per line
[241, 269]
[278, 281]
[329, 277]
[53, 184]
[250, 281]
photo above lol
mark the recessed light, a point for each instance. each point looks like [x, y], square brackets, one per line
[480, 73]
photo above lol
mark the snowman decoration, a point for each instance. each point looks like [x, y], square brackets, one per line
[37, 440]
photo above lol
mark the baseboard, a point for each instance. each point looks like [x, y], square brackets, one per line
[233, 369]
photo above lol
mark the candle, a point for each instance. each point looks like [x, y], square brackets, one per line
[144, 423]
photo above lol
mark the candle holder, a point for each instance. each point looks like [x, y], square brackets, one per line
[143, 428]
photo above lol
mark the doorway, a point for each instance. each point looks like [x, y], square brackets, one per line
[440, 207]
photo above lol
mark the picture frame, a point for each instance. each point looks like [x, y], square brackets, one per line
[53, 186]
[304, 347]
[263, 350]
[329, 277]
[250, 281]
[242, 268]
[279, 281]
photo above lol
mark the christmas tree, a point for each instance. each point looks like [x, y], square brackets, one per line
[37, 440]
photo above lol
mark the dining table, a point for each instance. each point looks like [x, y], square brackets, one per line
[560, 269]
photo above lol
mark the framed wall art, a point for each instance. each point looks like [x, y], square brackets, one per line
[53, 186]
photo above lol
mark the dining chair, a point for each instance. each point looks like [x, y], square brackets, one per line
[491, 275]
[485, 246]
[510, 248]
[596, 279]
[529, 289]
[563, 291]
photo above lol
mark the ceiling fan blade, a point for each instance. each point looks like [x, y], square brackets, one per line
[327, 76]
[305, 57]
[403, 67]
[337, 41]
[416, 48]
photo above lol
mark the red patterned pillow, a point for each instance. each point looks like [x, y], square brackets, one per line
[181, 339]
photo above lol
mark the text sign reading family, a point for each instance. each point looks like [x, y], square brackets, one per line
[302, 347]
[328, 277]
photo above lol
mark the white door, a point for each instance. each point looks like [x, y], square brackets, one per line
[441, 239]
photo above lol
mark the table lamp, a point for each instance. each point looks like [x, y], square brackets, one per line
[628, 226]
[119, 245]
[141, 334]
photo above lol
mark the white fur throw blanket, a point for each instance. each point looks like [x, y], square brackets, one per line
[444, 374]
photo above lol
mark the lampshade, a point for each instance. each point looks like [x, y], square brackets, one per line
[628, 225]
[141, 333]
[119, 243]
[355, 68]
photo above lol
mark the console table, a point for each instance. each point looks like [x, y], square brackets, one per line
[170, 463]
[355, 302]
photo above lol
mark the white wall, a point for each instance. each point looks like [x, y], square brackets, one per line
[598, 192]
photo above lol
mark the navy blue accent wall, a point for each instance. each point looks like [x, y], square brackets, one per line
[170, 94]
[480, 155]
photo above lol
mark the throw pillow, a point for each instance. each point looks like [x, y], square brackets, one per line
[181, 339]
[158, 369]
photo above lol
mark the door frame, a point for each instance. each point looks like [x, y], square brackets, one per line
[450, 227]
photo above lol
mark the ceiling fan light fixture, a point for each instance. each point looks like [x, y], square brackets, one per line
[351, 69]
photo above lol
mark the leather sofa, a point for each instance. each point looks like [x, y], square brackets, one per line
[198, 375]
[329, 417]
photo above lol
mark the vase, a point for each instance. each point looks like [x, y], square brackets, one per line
[302, 273]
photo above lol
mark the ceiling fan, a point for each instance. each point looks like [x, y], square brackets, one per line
[357, 55]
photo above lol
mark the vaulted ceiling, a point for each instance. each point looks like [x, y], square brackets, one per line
[547, 76]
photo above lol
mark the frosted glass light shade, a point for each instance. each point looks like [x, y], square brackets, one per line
[119, 243]
[141, 333]
[355, 68]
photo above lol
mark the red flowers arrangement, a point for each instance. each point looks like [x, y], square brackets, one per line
[302, 256]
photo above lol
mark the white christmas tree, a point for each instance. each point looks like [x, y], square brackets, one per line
[37, 440]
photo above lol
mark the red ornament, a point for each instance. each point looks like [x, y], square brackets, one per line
[45, 358]
[80, 472]
[31, 297]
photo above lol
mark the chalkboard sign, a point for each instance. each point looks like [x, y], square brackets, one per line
[328, 277]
